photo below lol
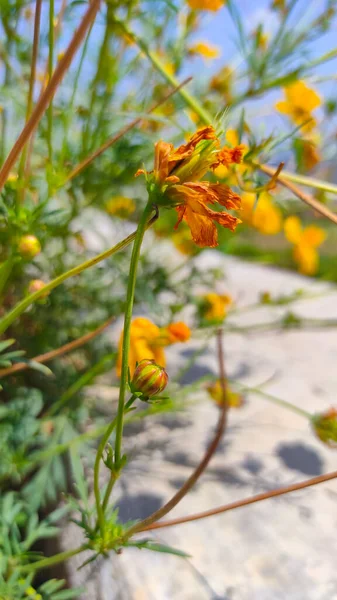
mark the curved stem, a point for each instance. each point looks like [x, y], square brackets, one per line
[127, 325]
[252, 500]
[193, 478]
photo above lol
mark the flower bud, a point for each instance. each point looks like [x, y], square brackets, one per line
[149, 378]
[29, 246]
[35, 286]
[325, 427]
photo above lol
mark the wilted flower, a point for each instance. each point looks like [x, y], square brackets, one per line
[149, 379]
[214, 306]
[300, 101]
[325, 426]
[175, 182]
[261, 213]
[120, 206]
[224, 169]
[29, 246]
[148, 341]
[306, 241]
[205, 50]
[212, 5]
[233, 399]
[307, 153]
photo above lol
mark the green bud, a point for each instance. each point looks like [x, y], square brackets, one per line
[149, 379]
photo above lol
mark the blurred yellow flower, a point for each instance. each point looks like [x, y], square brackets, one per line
[306, 241]
[261, 213]
[233, 399]
[215, 306]
[212, 5]
[300, 101]
[205, 50]
[310, 154]
[325, 427]
[120, 206]
[148, 341]
[222, 82]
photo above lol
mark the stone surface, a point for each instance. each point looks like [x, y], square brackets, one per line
[282, 548]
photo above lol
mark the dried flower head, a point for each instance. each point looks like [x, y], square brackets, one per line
[325, 426]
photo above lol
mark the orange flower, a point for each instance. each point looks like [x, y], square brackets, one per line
[175, 182]
[178, 332]
[212, 5]
[147, 341]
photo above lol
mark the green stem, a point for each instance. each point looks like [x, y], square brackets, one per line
[274, 399]
[127, 325]
[8, 319]
[50, 72]
[113, 474]
[100, 509]
[192, 102]
[52, 560]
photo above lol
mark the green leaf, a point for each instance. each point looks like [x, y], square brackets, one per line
[157, 547]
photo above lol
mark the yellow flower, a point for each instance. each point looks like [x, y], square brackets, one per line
[212, 5]
[147, 341]
[262, 214]
[300, 101]
[120, 206]
[306, 241]
[207, 51]
[215, 306]
[233, 399]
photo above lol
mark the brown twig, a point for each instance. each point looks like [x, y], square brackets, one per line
[49, 92]
[252, 500]
[121, 133]
[193, 478]
[69, 347]
[307, 198]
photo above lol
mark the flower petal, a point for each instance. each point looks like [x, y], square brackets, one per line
[202, 228]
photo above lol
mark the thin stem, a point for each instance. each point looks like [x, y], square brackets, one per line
[82, 165]
[49, 92]
[309, 200]
[127, 326]
[47, 356]
[193, 478]
[113, 474]
[50, 72]
[275, 400]
[37, 21]
[192, 102]
[100, 509]
[252, 500]
[8, 319]
[52, 560]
